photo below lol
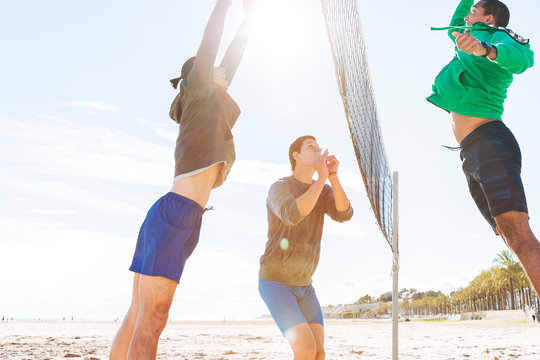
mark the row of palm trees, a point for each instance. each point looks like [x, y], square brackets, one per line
[503, 287]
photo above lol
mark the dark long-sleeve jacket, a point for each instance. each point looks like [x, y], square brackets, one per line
[294, 260]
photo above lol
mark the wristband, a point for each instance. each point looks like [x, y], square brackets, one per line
[332, 173]
[488, 47]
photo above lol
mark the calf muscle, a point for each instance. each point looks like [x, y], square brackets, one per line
[516, 232]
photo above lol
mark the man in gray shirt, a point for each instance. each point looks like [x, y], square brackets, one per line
[296, 206]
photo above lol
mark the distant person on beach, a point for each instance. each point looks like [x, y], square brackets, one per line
[296, 206]
[204, 154]
[473, 88]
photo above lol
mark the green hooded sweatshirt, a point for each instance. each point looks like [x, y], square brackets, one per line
[476, 86]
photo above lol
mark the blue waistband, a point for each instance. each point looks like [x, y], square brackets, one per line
[185, 200]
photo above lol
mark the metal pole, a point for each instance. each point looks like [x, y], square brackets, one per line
[395, 266]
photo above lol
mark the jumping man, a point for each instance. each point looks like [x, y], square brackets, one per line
[204, 154]
[472, 88]
[296, 206]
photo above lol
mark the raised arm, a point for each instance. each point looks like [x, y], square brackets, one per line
[338, 205]
[505, 51]
[458, 19]
[511, 55]
[235, 51]
[308, 200]
[203, 68]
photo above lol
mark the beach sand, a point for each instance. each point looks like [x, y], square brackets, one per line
[345, 339]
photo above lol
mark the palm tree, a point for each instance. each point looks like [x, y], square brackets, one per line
[513, 274]
[503, 286]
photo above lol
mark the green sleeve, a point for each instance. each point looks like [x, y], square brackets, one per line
[458, 19]
[511, 55]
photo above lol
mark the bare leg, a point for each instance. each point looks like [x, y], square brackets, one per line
[516, 232]
[122, 339]
[318, 334]
[302, 342]
[155, 299]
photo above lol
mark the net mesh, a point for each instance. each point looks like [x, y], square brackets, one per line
[354, 81]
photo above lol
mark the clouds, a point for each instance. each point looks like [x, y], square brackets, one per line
[350, 229]
[91, 105]
[66, 270]
[160, 129]
[51, 212]
[53, 145]
[59, 147]
[57, 191]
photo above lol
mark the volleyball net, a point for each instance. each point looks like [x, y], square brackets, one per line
[354, 81]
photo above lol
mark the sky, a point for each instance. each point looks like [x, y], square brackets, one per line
[86, 147]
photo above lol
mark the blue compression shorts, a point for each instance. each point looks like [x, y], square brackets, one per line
[291, 305]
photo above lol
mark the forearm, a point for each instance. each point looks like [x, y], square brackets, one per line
[458, 19]
[206, 55]
[462, 10]
[341, 200]
[493, 54]
[235, 51]
[307, 201]
[511, 56]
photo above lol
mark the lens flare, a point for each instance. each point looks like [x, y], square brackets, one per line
[284, 244]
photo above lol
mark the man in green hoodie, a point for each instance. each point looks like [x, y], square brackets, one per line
[472, 88]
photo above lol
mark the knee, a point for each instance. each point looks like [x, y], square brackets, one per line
[132, 314]
[518, 241]
[153, 317]
[517, 236]
[515, 244]
[321, 355]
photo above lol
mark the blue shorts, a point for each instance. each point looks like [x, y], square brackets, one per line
[291, 305]
[167, 237]
[492, 165]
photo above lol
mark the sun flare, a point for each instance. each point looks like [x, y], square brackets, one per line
[281, 30]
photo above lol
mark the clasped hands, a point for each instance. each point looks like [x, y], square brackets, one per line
[325, 164]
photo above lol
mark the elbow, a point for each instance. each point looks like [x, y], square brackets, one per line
[292, 215]
[291, 222]
[519, 69]
[291, 218]
[345, 215]
[345, 219]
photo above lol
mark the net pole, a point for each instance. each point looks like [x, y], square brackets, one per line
[395, 266]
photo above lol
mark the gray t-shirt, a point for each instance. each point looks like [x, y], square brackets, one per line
[293, 261]
[206, 114]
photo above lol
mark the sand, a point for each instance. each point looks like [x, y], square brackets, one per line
[345, 339]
